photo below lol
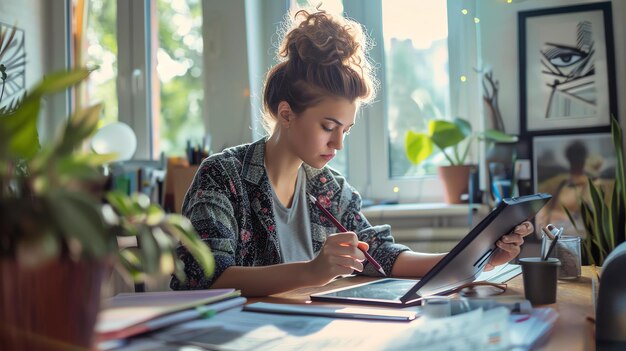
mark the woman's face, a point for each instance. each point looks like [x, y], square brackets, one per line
[316, 134]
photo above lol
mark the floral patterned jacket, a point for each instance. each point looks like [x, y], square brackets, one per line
[229, 204]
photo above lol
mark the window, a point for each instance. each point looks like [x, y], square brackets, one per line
[417, 85]
[416, 52]
[156, 74]
[149, 59]
[411, 56]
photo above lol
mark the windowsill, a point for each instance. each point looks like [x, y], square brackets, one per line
[427, 227]
[412, 210]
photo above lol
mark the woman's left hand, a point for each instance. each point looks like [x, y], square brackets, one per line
[509, 245]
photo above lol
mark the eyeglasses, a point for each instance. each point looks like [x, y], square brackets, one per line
[480, 289]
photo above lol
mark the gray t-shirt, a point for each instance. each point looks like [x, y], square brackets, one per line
[293, 225]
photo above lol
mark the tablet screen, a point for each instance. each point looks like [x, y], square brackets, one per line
[385, 289]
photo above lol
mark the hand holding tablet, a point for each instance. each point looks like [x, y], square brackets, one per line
[460, 266]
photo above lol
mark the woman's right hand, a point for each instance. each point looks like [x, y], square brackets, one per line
[340, 255]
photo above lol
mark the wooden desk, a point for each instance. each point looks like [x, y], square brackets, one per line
[571, 332]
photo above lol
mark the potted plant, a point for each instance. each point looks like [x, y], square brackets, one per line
[59, 228]
[603, 214]
[453, 139]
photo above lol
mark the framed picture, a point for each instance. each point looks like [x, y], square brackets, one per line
[562, 165]
[567, 69]
[13, 57]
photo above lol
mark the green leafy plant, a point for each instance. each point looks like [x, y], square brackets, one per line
[452, 138]
[604, 215]
[53, 201]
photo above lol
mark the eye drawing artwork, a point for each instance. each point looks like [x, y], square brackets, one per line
[567, 69]
[569, 72]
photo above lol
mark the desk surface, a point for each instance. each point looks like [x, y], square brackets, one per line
[572, 331]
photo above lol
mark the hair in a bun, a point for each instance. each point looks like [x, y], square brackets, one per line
[317, 40]
[320, 56]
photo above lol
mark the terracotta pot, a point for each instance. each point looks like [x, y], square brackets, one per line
[52, 307]
[455, 182]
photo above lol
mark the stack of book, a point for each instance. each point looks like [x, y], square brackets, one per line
[130, 314]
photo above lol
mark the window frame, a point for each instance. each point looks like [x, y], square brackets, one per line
[134, 42]
[372, 177]
[134, 54]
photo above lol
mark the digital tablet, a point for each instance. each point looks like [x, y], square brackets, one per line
[460, 266]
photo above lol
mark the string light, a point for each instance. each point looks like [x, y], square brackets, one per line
[464, 11]
[476, 19]
[396, 189]
[463, 78]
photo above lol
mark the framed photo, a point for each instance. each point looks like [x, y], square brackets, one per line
[562, 165]
[567, 69]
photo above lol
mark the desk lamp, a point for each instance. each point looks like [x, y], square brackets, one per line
[117, 138]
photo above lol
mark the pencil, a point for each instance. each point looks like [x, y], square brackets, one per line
[343, 229]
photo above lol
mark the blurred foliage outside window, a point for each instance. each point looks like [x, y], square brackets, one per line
[179, 71]
[417, 84]
[100, 50]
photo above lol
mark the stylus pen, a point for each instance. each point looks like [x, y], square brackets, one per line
[343, 229]
[553, 244]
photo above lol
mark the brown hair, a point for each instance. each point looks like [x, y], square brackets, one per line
[321, 56]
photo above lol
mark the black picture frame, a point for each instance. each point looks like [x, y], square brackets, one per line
[570, 86]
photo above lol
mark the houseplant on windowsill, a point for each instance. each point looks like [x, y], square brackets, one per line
[58, 238]
[453, 139]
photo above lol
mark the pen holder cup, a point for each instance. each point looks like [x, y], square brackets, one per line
[567, 250]
[539, 279]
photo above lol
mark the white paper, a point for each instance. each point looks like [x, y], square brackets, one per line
[490, 330]
[474, 330]
[260, 331]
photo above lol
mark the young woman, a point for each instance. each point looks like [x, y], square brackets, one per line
[249, 203]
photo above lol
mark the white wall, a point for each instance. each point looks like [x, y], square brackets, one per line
[234, 68]
[227, 84]
[263, 19]
[498, 21]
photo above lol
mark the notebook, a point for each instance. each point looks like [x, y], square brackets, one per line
[461, 265]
